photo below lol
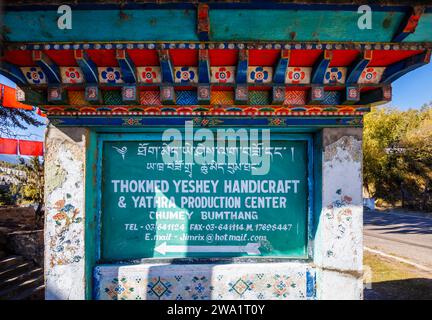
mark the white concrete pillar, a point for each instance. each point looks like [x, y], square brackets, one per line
[64, 213]
[338, 245]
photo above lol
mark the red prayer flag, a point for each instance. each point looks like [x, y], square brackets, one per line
[8, 146]
[30, 148]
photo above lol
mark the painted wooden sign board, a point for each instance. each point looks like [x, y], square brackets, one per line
[195, 208]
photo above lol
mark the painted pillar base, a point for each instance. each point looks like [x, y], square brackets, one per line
[338, 244]
[64, 217]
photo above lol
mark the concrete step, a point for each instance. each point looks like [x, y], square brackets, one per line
[17, 279]
[15, 270]
[9, 261]
[36, 293]
[22, 289]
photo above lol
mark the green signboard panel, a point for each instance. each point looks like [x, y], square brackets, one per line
[239, 197]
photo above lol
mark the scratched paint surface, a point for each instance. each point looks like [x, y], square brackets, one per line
[225, 25]
[92, 25]
[301, 25]
[342, 196]
[64, 221]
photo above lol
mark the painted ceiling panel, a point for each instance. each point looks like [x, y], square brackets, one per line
[304, 58]
[63, 58]
[263, 57]
[382, 58]
[102, 57]
[222, 57]
[19, 58]
[184, 57]
[144, 57]
[343, 58]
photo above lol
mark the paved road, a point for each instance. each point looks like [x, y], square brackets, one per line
[405, 236]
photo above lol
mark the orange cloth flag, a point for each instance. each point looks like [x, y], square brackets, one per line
[8, 98]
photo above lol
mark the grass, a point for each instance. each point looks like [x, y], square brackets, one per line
[394, 280]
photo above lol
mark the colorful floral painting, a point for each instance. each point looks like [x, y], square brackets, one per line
[280, 285]
[298, 75]
[34, 75]
[159, 287]
[119, 289]
[295, 281]
[149, 74]
[335, 75]
[110, 75]
[65, 245]
[223, 74]
[371, 75]
[186, 74]
[71, 75]
[199, 288]
[260, 74]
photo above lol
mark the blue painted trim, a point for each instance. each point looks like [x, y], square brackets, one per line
[400, 36]
[355, 71]
[98, 197]
[127, 68]
[90, 214]
[310, 284]
[320, 67]
[50, 69]
[398, 69]
[311, 196]
[203, 67]
[242, 66]
[88, 67]
[167, 69]
[281, 68]
[12, 72]
[164, 121]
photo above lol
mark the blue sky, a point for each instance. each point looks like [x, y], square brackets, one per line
[410, 91]
[413, 89]
[32, 132]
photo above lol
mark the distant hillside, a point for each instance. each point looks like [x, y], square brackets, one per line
[12, 158]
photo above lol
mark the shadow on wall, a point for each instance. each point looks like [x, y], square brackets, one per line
[407, 289]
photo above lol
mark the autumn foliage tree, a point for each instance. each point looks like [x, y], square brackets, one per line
[397, 151]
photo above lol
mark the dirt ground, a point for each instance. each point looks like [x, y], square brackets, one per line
[394, 280]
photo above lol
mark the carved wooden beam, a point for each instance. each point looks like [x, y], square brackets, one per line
[88, 67]
[355, 70]
[48, 67]
[281, 68]
[127, 66]
[398, 69]
[409, 23]
[320, 67]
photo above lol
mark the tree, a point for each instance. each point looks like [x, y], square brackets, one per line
[31, 185]
[12, 118]
[397, 152]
